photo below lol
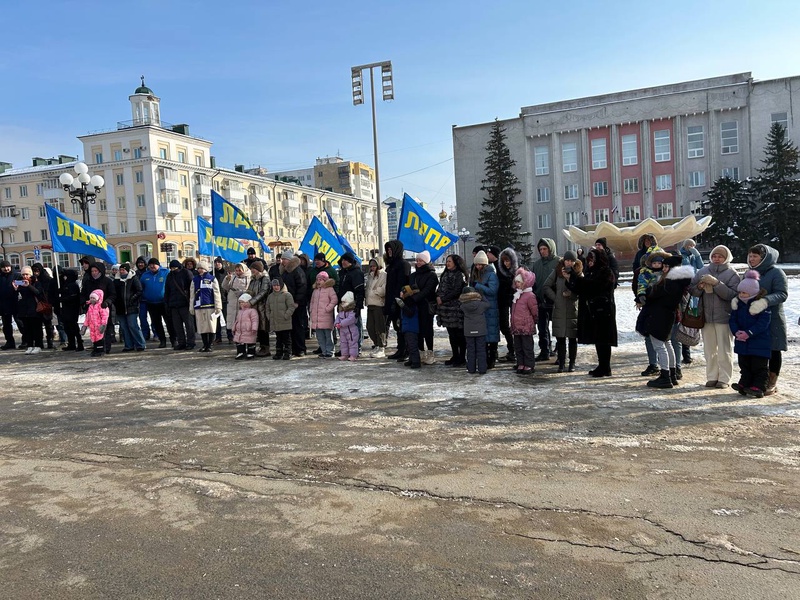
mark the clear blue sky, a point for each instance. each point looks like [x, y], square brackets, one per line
[269, 82]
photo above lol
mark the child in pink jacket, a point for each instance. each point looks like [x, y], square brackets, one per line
[95, 321]
[245, 328]
[348, 330]
[323, 301]
[524, 313]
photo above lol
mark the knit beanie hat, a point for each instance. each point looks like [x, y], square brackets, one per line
[481, 258]
[493, 250]
[175, 264]
[245, 297]
[689, 243]
[320, 256]
[126, 266]
[348, 298]
[202, 265]
[468, 289]
[277, 282]
[153, 261]
[722, 251]
[323, 276]
[750, 284]
[287, 254]
[424, 256]
[602, 241]
[26, 270]
[570, 255]
[257, 266]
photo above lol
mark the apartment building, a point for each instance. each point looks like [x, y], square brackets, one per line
[626, 156]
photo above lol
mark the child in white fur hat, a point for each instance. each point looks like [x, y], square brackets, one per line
[245, 328]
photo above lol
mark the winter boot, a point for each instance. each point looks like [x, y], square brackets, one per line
[650, 370]
[673, 376]
[287, 355]
[571, 366]
[50, 343]
[772, 384]
[240, 351]
[491, 355]
[543, 355]
[663, 381]
[678, 372]
[79, 345]
[428, 358]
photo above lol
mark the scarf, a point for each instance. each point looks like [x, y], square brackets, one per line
[518, 294]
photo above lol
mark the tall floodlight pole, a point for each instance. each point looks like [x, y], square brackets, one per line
[387, 87]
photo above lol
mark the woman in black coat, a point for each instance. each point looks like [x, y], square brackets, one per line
[448, 307]
[597, 312]
[29, 292]
[68, 308]
[659, 313]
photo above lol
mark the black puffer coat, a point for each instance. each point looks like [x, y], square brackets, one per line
[448, 313]
[106, 284]
[398, 272]
[505, 294]
[597, 311]
[424, 279]
[663, 299]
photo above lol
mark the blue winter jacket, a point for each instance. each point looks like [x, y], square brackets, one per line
[487, 285]
[758, 326]
[153, 285]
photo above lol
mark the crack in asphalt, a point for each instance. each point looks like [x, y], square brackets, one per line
[765, 562]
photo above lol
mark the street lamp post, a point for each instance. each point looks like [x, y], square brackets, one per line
[78, 188]
[464, 235]
[387, 86]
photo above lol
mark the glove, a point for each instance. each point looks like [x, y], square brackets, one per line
[641, 299]
[102, 328]
[758, 306]
[338, 325]
[709, 279]
[742, 336]
[400, 302]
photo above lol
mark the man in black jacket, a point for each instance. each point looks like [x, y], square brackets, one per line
[176, 298]
[8, 304]
[129, 291]
[98, 280]
[351, 279]
[294, 277]
[398, 272]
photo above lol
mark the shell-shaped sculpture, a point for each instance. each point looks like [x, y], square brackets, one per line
[627, 238]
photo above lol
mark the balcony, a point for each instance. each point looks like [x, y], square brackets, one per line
[348, 211]
[367, 227]
[7, 221]
[55, 194]
[201, 189]
[348, 224]
[233, 194]
[291, 221]
[204, 209]
[164, 185]
[170, 207]
[291, 203]
[311, 206]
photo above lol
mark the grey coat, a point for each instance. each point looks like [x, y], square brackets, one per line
[474, 306]
[717, 304]
[565, 307]
[773, 280]
[259, 289]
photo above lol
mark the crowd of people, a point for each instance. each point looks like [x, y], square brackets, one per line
[560, 302]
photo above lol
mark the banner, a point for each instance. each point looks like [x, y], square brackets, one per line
[319, 239]
[70, 236]
[342, 240]
[228, 221]
[227, 248]
[419, 230]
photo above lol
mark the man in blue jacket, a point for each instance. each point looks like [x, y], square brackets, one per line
[153, 281]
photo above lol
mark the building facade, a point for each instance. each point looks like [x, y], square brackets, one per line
[335, 174]
[627, 156]
[158, 180]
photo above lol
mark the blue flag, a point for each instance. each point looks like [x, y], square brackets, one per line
[227, 248]
[419, 230]
[228, 221]
[319, 239]
[342, 240]
[70, 236]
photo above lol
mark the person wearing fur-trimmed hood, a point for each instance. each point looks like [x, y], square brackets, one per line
[280, 308]
[323, 303]
[751, 330]
[658, 316]
[507, 265]
[474, 307]
[524, 313]
[346, 324]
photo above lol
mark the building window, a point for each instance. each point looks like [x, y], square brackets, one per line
[630, 186]
[139, 176]
[98, 158]
[664, 210]
[630, 152]
[697, 179]
[170, 224]
[185, 203]
[26, 236]
[695, 139]
[661, 145]
[181, 156]
[543, 194]
[729, 132]
[542, 160]
[572, 218]
[145, 250]
[198, 160]
[26, 214]
[600, 215]
[137, 153]
[163, 153]
[632, 213]
[184, 180]
[120, 179]
[780, 118]
[123, 227]
[63, 260]
[104, 228]
[571, 192]
[731, 172]
[142, 224]
[121, 203]
[76, 210]
[102, 205]
[599, 160]
[140, 200]
[117, 155]
[8, 193]
[23, 191]
[569, 157]
[600, 188]
[43, 234]
[42, 212]
[39, 189]
[187, 225]
[543, 221]
[663, 183]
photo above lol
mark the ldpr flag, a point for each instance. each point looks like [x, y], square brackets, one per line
[228, 221]
[70, 236]
[419, 230]
[227, 248]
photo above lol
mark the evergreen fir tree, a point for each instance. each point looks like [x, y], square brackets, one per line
[499, 221]
[733, 213]
[776, 191]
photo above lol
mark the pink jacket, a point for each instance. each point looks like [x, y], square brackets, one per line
[524, 308]
[245, 329]
[323, 301]
[96, 317]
